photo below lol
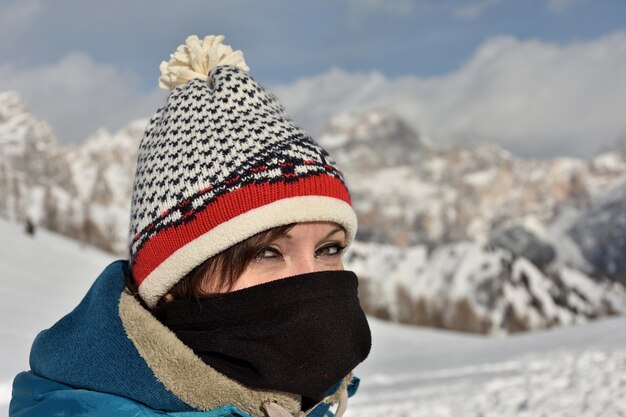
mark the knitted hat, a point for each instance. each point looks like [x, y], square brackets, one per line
[220, 162]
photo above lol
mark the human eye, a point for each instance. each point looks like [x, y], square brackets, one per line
[268, 252]
[330, 249]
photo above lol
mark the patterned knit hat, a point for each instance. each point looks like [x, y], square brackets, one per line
[218, 163]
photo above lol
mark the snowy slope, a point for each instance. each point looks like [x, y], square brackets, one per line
[576, 371]
[412, 371]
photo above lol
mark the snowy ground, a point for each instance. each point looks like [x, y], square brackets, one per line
[574, 371]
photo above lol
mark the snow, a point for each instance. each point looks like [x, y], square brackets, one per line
[576, 371]
[464, 286]
[411, 371]
[35, 204]
[481, 178]
[568, 252]
[332, 141]
[609, 162]
[19, 130]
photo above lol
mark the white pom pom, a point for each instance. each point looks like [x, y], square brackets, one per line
[196, 58]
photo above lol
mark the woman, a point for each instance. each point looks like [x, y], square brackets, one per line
[234, 301]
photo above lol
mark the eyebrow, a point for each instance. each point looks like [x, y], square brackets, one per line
[338, 229]
[332, 232]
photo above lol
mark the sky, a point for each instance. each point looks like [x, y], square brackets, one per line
[542, 78]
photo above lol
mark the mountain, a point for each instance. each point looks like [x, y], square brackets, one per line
[475, 238]
[23, 139]
[466, 287]
[372, 140]
[81, 191]
[601, 233]
[432, 195]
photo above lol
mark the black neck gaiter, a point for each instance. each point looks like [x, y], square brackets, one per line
[300, 334]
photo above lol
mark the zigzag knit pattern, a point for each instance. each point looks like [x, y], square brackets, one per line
[223, 139]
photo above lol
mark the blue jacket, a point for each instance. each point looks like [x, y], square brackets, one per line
[111, 357]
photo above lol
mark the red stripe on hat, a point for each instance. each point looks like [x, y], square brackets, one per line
[162, 245]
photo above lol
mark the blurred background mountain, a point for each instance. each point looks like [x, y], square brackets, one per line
[470, 237]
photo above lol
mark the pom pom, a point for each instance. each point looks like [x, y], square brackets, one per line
[196, 58]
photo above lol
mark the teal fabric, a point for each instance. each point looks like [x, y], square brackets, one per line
[34, 396]
[88, 348]
[322, 410]
[85, 365]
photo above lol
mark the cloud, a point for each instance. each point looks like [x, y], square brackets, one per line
[76, 95]
[534, 98]
[474, 9]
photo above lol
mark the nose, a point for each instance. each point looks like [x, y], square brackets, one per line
[304, 265]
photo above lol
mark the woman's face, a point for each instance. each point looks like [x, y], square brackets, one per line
[307, 247]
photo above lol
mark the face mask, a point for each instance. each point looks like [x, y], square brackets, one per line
[300, 334]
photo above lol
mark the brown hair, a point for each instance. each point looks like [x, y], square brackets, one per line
[224, 268]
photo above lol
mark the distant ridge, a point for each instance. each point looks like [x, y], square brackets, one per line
[536, 224]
